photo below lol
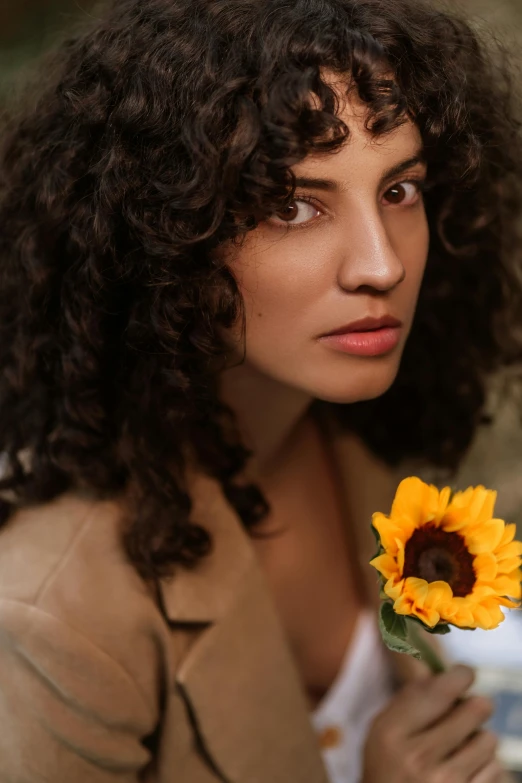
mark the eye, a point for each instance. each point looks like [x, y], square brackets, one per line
[404, 194]
[298, 212]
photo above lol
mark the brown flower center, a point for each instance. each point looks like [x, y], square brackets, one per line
[435, 555]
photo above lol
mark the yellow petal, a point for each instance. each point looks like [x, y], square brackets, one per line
[437, 602]
[415, 502]
[394, 589]
[462, 499]
[513, 549]
[400, 555]
[510, 532]
[486, 619]
[495, 612]
[485, 567]
[429, 616]
[506, 602]
[481, 591]
[406, 605]
[483, 504]
[458, 513]
[455, 520]
[439, 593]
[444, 498]
[386, 565]
[508, 566]
[474, 506]
[423, 600]
[459, 613]
[389, 532]
[403, 605]
[418, 589]
[458, 509]
[507, 586]
[484, 538]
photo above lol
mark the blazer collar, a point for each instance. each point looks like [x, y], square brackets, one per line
[204, 594]
[238, 678]
[242, 686]
[367, 485]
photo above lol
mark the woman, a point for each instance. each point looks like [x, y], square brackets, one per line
[216, 220]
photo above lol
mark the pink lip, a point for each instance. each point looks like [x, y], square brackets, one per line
[366, 337]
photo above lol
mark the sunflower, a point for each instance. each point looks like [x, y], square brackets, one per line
[445, 559]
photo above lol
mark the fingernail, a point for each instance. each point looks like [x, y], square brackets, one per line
[485, 705]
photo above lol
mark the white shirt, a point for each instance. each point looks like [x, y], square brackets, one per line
[361, 690]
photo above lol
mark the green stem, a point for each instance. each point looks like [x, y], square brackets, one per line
[417, 639]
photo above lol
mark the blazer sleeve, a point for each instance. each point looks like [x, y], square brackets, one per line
[68, 711]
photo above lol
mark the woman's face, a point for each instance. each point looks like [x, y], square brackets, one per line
[330, 285]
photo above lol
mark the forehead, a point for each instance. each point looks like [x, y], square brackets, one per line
[362, 152]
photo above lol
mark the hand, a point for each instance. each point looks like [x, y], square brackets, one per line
[430, 733]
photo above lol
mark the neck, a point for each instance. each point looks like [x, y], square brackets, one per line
[267, 411]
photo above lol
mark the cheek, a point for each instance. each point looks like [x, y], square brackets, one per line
[279, 288]
[411, 239]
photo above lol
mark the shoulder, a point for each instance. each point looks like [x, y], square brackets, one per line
[65, 561]
[37, 540]
[80, 647]
[70, 542]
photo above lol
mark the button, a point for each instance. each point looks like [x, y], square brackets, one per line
[330, 737]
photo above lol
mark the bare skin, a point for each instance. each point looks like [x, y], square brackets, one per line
[352, 246]
[307, 562]
[429, 733]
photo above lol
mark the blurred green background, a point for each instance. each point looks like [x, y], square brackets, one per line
[27, 27]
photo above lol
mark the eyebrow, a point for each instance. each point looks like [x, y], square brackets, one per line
[331, 185]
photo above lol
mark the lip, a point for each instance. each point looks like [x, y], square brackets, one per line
[367, 325]
[366, 337]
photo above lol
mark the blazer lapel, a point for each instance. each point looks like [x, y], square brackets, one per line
[367, 485]
[238, 679]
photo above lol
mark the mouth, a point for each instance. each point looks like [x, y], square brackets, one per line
[366, 337]
[367, 325]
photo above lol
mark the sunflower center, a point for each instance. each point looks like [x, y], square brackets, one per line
[435, 555]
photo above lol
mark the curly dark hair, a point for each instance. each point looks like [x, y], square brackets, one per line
[169, 127]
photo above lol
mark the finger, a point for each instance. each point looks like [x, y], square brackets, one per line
[455, 728]
[423, 703]
[492, 773]
[473, 757]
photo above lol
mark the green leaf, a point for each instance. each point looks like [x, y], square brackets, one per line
[440, 629]
[394, 623]
[394, 631]
[377, 539]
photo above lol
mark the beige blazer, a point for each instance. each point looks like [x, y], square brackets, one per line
[104, 679]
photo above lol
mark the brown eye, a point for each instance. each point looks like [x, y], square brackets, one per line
[296, 213]
[404, 194]
[289, 213]
[396, 195]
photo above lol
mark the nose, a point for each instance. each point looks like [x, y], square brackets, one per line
[369, 260]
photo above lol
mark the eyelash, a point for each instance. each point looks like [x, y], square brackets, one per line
[308, 198]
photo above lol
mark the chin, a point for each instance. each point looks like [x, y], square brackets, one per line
[366, 383]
